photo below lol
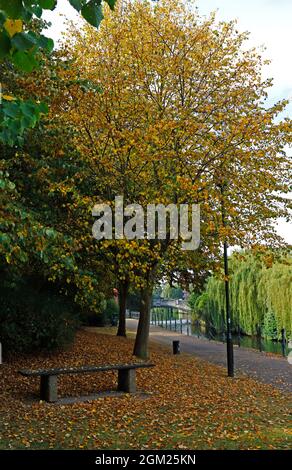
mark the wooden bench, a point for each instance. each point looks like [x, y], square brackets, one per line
[49, 377]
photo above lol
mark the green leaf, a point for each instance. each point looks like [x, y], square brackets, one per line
[24, 61]
[48, 4]
[37, 11]
[43, 108]
[24, 41]
[11, 109]
[22, 256]
[4, 238]
[26, 122]
[11, 185]
[51, 233]
[92, 12]
[87, 85]
[33, 9]
[13, 8]
[2, 18]
[46, 43]
[111, 3]
[28, 108]
[26, 16]
[15, 127]
[5, 44]
[77, 4]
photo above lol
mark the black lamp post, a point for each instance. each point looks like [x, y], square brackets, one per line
[229, 342]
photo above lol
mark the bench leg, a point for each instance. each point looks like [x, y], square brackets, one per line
[49, 388]
[127, 380]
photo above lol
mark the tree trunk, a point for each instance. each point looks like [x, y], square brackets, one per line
[123, 292]
[142, 336]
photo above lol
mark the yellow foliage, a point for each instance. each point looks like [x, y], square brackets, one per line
[7, 97]
[179, 116]
[13, 26]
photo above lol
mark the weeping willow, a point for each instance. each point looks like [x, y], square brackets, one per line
[260, 297]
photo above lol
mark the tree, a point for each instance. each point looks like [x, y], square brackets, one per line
[260, 294]
[42, 217]
[20, 45]
[180, 112]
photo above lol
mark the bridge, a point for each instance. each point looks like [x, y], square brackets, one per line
[179, 305]
[169, 304]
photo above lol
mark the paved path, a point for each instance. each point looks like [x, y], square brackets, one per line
[269, 369]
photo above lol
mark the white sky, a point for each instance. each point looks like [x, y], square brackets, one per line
[269, 23]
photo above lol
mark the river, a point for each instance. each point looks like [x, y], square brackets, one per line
[253, 342]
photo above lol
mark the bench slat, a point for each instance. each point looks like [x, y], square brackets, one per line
[84, 369]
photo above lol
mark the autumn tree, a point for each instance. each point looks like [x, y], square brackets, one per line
[180, 114]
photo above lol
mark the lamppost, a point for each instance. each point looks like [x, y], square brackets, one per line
[229, 342]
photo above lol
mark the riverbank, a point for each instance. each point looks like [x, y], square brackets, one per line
[268, 368]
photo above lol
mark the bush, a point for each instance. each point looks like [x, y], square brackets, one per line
[111, 312]
[32, 320]
[108, 315]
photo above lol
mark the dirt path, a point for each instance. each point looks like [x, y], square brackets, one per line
[266, 368]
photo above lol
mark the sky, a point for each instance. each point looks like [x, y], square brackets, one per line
[269, 23]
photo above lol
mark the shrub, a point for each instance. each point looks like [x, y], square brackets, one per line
[108, 315]
[32, 320]
[111, 312]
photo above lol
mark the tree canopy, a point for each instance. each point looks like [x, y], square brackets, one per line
[181, 112]
[21, 45]
[158, 105]
[260, 288]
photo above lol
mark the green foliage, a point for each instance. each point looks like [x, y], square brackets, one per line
[22, 46]
[25, 10]
[79, 4]
[275, 293]
[34, 238]
[13, 8]
[92, 12]
[193, 299]
[210, 305]
[260, 295]
[4, 44]
[172, 292]
[16, 116]
[107, 315]
[111, 3]
[48, 4]
[35, 319]
[270, 327]
[111, 311]
[198, 303]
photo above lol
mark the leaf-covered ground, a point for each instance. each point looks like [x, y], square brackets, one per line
[190, 404]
